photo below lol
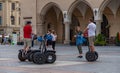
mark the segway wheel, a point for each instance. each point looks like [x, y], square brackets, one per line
[96, 55]
[50, 57]
[90, 56]
[39, 58]
[20, 57]
[30, 56]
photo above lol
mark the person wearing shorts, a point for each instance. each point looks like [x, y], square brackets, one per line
[27, 42]
[91, 28]
[91, 40]
[27, 36]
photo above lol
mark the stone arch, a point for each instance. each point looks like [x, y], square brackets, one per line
[110, 9]
[103, 5]
[48, 6]
[118, 17]
[50, 17]
[42, 13]
[78, 13]
[118, 11]
[74, 4]
[45, 9]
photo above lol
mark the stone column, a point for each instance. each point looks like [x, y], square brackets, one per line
[98, 26]
[8, 29]
[97, 18]
[67, 33]
[17, 14]
[67, 27]
[6, 12]
[6, 16]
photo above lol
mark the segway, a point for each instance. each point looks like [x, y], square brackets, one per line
[30, 55]
[40, 56]
[91, 56]
[22, 56]
[44, 55]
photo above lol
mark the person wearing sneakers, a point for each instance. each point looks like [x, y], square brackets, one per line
[79, 40]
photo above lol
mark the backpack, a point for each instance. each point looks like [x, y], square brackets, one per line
[80, 40]
[49, 37]
[40, 39]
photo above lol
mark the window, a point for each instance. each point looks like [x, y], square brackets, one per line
[12, 20]
[0, 6]
[13, 6]
[0, 20]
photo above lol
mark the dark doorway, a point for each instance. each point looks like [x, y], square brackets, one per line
[75, 22]
[105, 27]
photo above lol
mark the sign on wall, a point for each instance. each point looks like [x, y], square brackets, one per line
[27, 17]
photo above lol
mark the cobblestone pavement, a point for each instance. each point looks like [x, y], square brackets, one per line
[67, 61]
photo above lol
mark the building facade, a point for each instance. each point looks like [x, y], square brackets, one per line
[64, 15]
[9, 17]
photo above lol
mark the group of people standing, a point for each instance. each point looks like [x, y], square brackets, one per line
[51, 37]
[29, 37]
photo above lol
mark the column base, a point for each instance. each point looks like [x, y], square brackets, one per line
[67, 42]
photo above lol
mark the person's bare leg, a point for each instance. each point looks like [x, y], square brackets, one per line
[24, 48]
[92, 47]
[27, 48]
[24, 51]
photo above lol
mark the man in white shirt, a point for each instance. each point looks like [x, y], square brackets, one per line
[91, 28]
